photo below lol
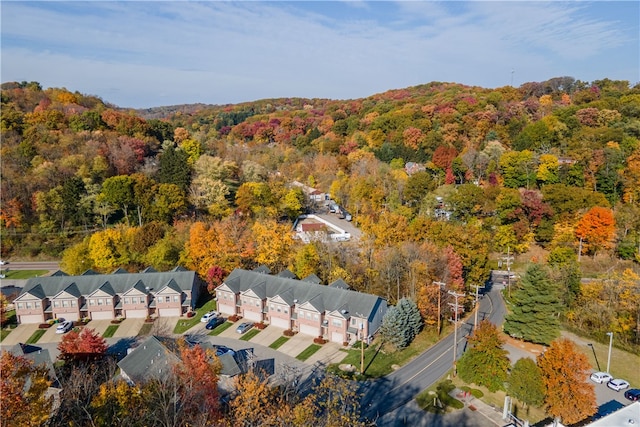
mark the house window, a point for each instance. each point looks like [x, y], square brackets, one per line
[279, 309]
[20, 305]
[127, 300]
[92, 302]
[37, 304]
[28, 305]
[315, 316]
[353, 321]
[286, 310]
[272, 308]
[73, 303]
[108, 300]
[167, 299]
[176, 298]
[56, 303]
[307, 315]
[336, 322]
[65, 303]
[100, 301]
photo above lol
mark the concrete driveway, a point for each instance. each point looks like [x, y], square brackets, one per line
[329, 353]
[267, 336]
[129, 328]
[20, 334]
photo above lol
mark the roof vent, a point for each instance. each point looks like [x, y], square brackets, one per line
[295, 301]
[343, 311]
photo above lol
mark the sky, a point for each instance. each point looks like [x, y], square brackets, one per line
[156, 53]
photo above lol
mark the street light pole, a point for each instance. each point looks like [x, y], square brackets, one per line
[455, 329]
[609, 356]
[508, 259]
[440, 286]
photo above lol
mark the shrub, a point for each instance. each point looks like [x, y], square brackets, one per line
[234, 318]
[44, 325]
[319, 340]
[260, 326]
[116, 321]
[190, 314]
[288, 333]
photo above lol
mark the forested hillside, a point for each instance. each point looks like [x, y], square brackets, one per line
[554, 164]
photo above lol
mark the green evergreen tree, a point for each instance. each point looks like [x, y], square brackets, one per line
[525, 382]
[535, 308]
[486, 362]
[174, 168]
[401, 323]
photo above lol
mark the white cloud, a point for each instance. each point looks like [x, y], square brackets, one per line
[146, 54]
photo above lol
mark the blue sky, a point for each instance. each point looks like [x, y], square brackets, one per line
[154, 53]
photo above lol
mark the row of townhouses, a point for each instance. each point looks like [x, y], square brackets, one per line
[108, 296]
[333, 312]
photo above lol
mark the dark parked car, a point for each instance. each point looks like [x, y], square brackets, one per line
[244, 327]
[214, 322]
[633, 394]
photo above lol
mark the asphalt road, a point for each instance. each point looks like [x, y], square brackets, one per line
[32, 265]
[401, 386]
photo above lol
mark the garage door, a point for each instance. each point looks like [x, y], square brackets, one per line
[253, 316]
[135, 314]
[72, 315]
[169, 312]
[101, 315]
[279, 322]
[31, 318]
[226, 308]
[337, 337]
[314, 331]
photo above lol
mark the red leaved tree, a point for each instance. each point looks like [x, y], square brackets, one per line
[568, 394]
[84, 345]
[198, 379]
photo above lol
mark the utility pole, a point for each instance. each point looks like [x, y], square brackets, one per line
[475, 323]
[508, 259]
[455, 328]
[440, 286]
[361, 348]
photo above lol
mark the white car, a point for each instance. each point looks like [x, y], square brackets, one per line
[617, 384]
[600, 377]
[208, 316]
[3, 262]
[64, 327]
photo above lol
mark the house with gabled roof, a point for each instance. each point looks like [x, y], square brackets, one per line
[108, 296]
[335, 313]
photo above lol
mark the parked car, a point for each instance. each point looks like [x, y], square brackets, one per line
[3, 262]
[600, 377]
[64, 327]
[633, 394]
[618, 384]
[244, 327]
[214, 322]
[208, 316]
[220, 350]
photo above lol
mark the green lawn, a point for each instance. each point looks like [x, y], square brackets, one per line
[278, 343]
[22, 274]
[220, 329]
[4, 333]
[36, 336]
[308, 352]
[111, 329]
[379, 360]
[185, 324]
[249, 334]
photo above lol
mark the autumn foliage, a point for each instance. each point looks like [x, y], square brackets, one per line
[596, 229]
[565, 372]
[83, 345]
[22, 392]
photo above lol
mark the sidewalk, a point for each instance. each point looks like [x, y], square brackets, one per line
[472, 404]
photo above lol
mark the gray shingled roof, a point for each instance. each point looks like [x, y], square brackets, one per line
[332, 299]
[339, 283]
[151, 359]
[120, 283]
[288, 274]
[312, 278]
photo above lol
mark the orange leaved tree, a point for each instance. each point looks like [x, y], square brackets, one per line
[568, 394]
[596, 230]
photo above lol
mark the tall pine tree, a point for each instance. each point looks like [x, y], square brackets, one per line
[535, 308]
